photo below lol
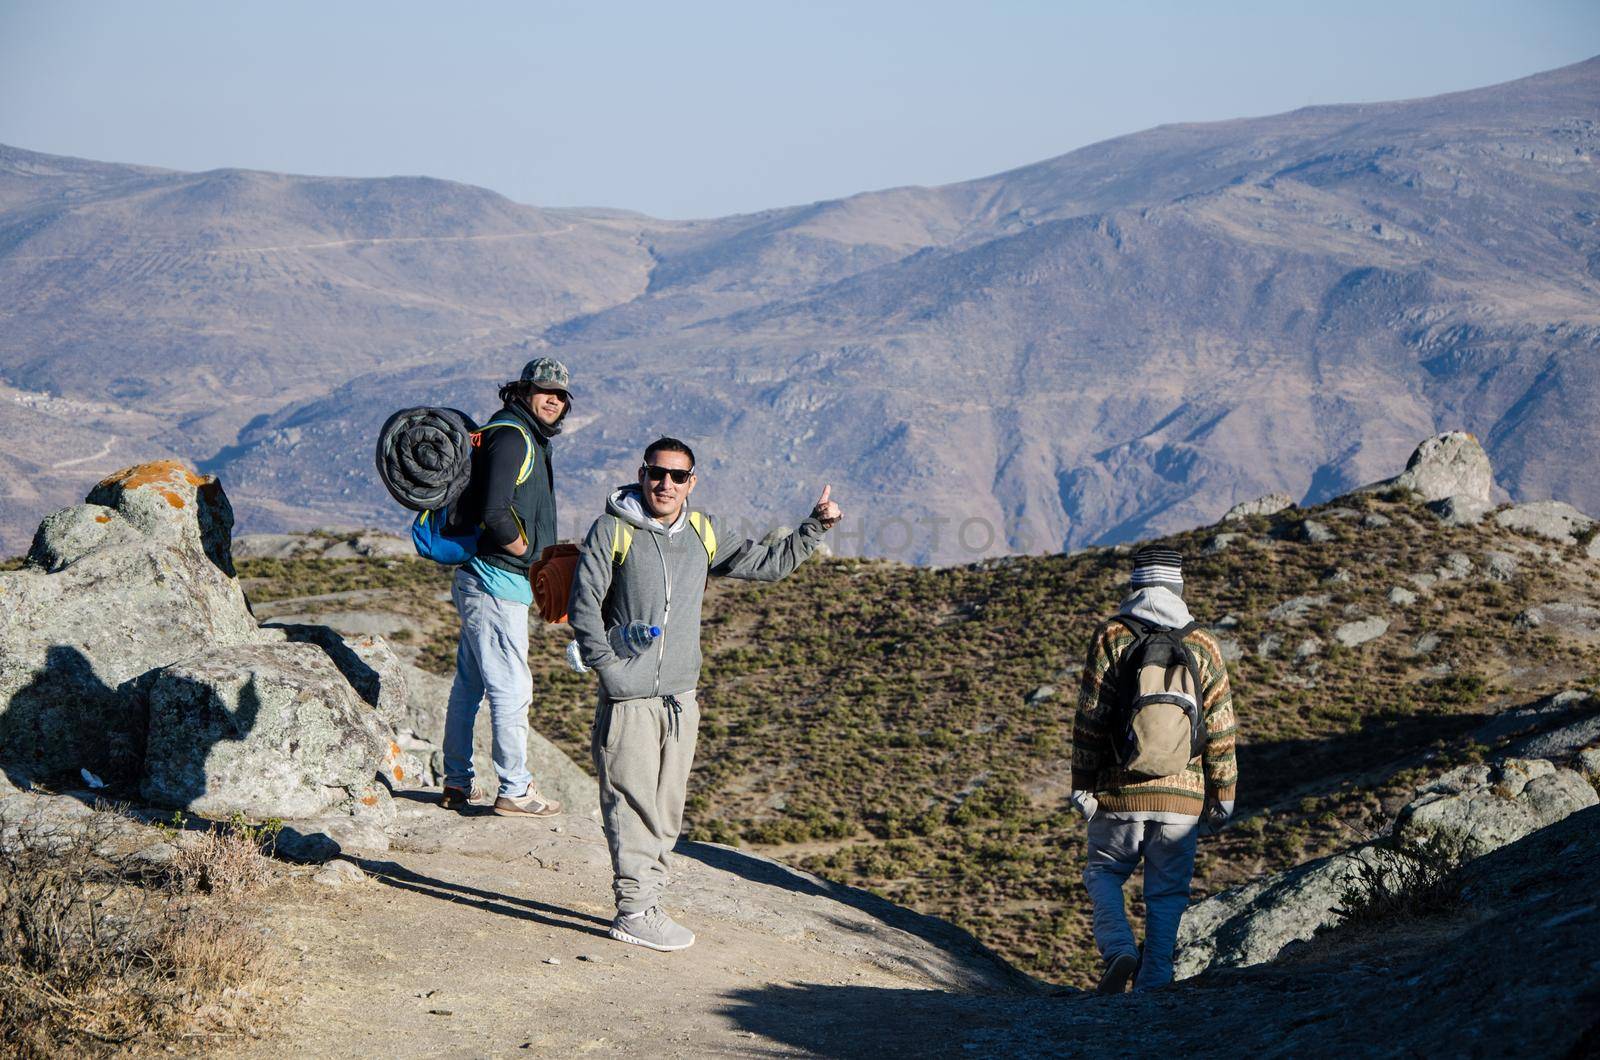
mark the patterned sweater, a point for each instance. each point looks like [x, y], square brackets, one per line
[1213, 772]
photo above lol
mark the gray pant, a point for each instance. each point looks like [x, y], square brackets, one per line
[642, 752]
[492, 660]
[1115, 848]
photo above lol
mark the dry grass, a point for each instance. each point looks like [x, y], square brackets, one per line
[101, 954]
[229, 860]
[1404, 883]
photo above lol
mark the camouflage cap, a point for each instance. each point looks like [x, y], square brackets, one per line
[548, 374]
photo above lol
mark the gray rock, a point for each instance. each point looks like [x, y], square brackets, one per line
[1221, 542]
[267, 730]
[338, 873]
[1461, 511]
[364, 544]
[1352, 634]
[1268, 645]
[84, 627]
[1452, 464]
[1582, 620]
[1552, 520]
[1425, 580]
[1427, 643]
[555, 774]
[1376, 521]
[1589, 761]
[1307, 648]
[1316, 533]
[1231, 652]
[1041, 694]
[1297, 607]
[1479, 808]
[1548, 711]
[1252, 924]
[1567, 739]
[1271, 504]
[1402, 597]
[366, 661]
[1455, 565]
[1500, 566]
[1337, 576]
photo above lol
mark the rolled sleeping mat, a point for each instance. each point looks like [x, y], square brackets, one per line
[552, 578]
[425, 456]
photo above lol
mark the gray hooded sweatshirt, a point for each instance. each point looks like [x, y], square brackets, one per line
[662, 581]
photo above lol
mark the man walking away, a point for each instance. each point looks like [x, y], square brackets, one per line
[646, 560]
[1133, 815]
[512, 493]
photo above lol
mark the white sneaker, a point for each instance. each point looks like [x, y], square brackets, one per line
[651, 928]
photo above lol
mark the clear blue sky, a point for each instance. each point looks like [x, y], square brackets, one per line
[683, 109]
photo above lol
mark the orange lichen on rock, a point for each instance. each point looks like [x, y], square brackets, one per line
[102, 518]
[369, 800]
[172, 498]
[154, 472]
[399, 773]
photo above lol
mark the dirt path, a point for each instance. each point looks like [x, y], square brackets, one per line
[443, 951]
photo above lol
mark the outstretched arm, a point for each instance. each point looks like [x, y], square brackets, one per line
[769, 563]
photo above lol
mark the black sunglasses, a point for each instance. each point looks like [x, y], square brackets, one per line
[656, 473]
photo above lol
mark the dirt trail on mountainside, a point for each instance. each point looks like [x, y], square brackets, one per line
[442, 951]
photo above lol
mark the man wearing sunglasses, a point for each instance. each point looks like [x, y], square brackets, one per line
[647, 559]
[512, 493]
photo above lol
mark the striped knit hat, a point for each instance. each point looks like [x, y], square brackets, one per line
[1157, 566]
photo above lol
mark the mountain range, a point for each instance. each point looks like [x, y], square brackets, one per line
[1119, 342]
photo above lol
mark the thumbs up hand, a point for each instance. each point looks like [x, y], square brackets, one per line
[826, 512]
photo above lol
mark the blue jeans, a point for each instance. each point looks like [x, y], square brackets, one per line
[1115, 848]
[492, 660]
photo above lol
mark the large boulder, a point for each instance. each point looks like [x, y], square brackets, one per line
[1271, 504]
[366, 660]
[1251, 924]
[1479, 808]
[267, 730]
[1452, 464]
[554, 773]
[115, 589]
[1551, 520]
[1472, 810]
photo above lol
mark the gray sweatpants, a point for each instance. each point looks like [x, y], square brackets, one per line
[642, 752]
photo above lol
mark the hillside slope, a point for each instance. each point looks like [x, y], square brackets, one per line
[1121, 341]
[908, 730]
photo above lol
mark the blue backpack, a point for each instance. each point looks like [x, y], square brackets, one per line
[428, 529]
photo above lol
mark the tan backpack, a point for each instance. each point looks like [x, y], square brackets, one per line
[1158, 728]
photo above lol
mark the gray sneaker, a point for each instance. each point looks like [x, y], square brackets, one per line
[652, 928]
[528, 804]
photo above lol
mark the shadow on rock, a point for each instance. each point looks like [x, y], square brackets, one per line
[857, 1021]
[393, 874]
[1278, 769]
[941, 934]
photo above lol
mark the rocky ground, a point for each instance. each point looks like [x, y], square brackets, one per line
[133, 669]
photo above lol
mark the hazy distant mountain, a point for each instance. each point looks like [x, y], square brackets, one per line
[1120, 341]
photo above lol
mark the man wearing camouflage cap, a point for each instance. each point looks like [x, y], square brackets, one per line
[512, 493]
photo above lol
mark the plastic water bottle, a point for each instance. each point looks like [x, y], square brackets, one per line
[632, 639]
[627, 641]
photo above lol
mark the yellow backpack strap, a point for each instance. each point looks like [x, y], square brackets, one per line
[708, 536]
[621, 540]
[527, 460]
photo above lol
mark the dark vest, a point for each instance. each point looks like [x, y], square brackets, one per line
[534, 501]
